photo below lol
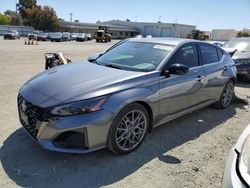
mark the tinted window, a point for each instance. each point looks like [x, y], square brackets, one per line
[186, 55]
[209, 54]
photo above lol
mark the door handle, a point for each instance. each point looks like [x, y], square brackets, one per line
[199, 78]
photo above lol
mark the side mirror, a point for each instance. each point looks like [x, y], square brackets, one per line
[179, 69]
[94, 57]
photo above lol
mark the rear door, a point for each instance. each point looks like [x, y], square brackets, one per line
[214, 67]
[180, 92]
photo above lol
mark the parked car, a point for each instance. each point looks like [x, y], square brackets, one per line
[56, 37]
[139, 36]
[49, 35]
[74, 36]
[42, 37]
[11, 35]
[32, 36]
[81, 37]
[239, 48]
[217, 43]
[66, 36]
[89, 36]
[115, 98]
[237, 170]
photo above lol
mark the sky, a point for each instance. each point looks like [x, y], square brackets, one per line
[205, 14]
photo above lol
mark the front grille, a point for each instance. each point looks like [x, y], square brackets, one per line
[99, 34]
[29, 115]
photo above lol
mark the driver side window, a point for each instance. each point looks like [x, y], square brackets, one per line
[186, 55]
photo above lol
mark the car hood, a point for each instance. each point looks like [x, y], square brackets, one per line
[238, 54]
[77, 81]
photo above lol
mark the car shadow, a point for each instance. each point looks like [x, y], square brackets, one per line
[28, 165]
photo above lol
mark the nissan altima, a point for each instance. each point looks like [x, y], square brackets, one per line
[115, 98]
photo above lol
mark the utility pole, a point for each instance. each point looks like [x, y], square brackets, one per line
[16, 6]
[70, 14]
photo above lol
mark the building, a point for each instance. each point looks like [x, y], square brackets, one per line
[124, 29]
[22, 30]
[157, 29]
[223, 34]
[117, 32]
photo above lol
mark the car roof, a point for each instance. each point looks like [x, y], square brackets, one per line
[241, 38]
[163, 40]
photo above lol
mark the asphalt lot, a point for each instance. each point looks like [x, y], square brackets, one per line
[188, 152]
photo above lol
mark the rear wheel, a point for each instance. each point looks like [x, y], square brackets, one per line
[226, 96]
[129, 129]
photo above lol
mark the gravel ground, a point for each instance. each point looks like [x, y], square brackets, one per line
[188, 152]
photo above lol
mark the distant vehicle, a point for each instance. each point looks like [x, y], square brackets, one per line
[239, 48]
[42, 36]
[197, 35]
[237, 170]
[32, 36]
[49, 35]
[74, 36]
[139, 36]
[57, 37]
[217, 43]
[149, 36]
[66, 36]
[115, 98]
[11, 35]
[89, 36]
[103, 34]
[81, 37]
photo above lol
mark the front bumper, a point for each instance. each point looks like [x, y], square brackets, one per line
[90, 131]
[231, 177]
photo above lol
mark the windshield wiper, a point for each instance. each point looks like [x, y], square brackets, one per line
[113, 66]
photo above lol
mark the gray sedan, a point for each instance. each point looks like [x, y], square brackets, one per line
[115, 98]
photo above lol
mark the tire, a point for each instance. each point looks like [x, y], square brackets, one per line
[124, 140]
[226, 96]
[109, 39]
[97, 40]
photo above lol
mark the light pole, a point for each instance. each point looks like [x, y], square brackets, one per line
[70, 14]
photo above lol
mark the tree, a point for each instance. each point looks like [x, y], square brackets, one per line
[42, 18]
[76, 21]
[243, 34]
[25, 4]
[15, 18]
[4, 20]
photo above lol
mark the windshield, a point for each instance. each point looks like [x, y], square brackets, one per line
[137, 56]
[56, 34]
[242, 45]
[81, 34]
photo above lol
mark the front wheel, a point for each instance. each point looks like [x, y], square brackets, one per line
[129, 129]
[226, 96]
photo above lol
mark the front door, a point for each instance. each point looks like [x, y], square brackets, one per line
[180, 92]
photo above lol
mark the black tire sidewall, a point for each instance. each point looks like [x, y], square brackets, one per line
[112, 145]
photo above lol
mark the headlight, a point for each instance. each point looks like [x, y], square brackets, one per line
[81, 107]
[244, 161]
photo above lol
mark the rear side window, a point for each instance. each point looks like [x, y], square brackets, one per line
[220, 53]
[186, 55]
[209, 54]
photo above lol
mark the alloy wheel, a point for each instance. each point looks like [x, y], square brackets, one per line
[131, 130]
